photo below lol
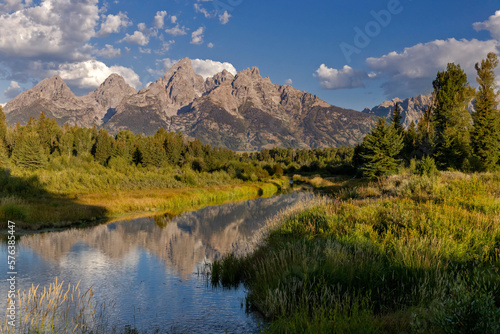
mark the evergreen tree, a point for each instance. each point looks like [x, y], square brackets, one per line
[3, 124]
[396, 119]
[152, 152]
[103, 147]
[380, 149]
[83, 139]
[66, 141]
[28, 152]
[426, 137]
[3, 154]
[49, 132]
[410, 140]
[452, 120]
[174, 147]
[486, 131]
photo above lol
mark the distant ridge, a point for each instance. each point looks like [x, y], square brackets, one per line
[242, 112]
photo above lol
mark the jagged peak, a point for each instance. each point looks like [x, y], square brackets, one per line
[252, 72]
[184, 65]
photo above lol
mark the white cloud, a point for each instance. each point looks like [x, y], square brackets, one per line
[113, 24]
[197, 36]
[90, 74]
[13, 90]
[173, 19]
[492, 25]
[13, 5]
[208, 68]
[137, 38]
[200, 9]
[109, 52]
[141, 50]
[165, 47]
[210, 45]
[160, 19]
[412, 71]
[176, 31]
[52, 28]
[347, 77]
[289, 81]
[224, 18]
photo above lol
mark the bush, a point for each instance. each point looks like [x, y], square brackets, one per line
[426, 166]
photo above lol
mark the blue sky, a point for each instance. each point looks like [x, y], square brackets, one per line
[351, 54]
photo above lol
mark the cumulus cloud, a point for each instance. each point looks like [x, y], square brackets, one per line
[13, 5]
[204, 67]
[412, 71]
[176, 31]
[13, 90]
[208, 68]
[52, 28]
[492, 25]
[138, 37]
[109, 52]
[289, 81]
[173, 19]
[347, 77]
[197, 36]
[224, 18]
[113, 24]
[160, 19]
[210, 45]
[88, 75]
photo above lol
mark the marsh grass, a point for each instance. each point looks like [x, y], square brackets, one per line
[71, 209]
[57, 309]
[405, 254]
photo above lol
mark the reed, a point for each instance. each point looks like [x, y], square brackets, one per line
[57, 309]
[404, 254]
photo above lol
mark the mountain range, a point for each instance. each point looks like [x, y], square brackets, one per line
[244, 112]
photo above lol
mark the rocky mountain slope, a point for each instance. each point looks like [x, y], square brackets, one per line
[411, 108]
[242, 112]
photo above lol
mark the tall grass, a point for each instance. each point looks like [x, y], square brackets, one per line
[404, 254]
[56, 309]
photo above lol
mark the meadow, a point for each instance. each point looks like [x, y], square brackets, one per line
[405, 253]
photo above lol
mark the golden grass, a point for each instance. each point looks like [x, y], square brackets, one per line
[56, 309]
[77, 208]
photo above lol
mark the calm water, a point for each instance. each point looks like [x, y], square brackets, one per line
[148, 267]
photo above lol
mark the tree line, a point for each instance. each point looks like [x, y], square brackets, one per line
[448, 135]
[34, 145]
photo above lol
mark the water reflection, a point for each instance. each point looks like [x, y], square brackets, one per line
[145, 266]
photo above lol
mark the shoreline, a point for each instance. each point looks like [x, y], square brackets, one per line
[81, 210]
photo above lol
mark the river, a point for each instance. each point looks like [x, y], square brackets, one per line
[147, 270]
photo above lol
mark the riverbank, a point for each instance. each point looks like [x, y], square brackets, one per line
[61, 211]
[403, 254]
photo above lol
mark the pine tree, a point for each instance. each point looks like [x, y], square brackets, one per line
[410, 140]
[3, 154]
[486, 131]
[3, 124]
[28, 152]
[103, 147]
[380, 149]
[426, 135]
[152, 152]
[396, 119]
[452, 120]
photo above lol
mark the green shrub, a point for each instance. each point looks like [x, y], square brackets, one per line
[427, 166]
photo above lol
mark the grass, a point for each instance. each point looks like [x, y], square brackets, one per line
[404, 254]
[56, 309]
[63, 211]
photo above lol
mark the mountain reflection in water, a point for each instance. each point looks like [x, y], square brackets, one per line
[145, 266]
